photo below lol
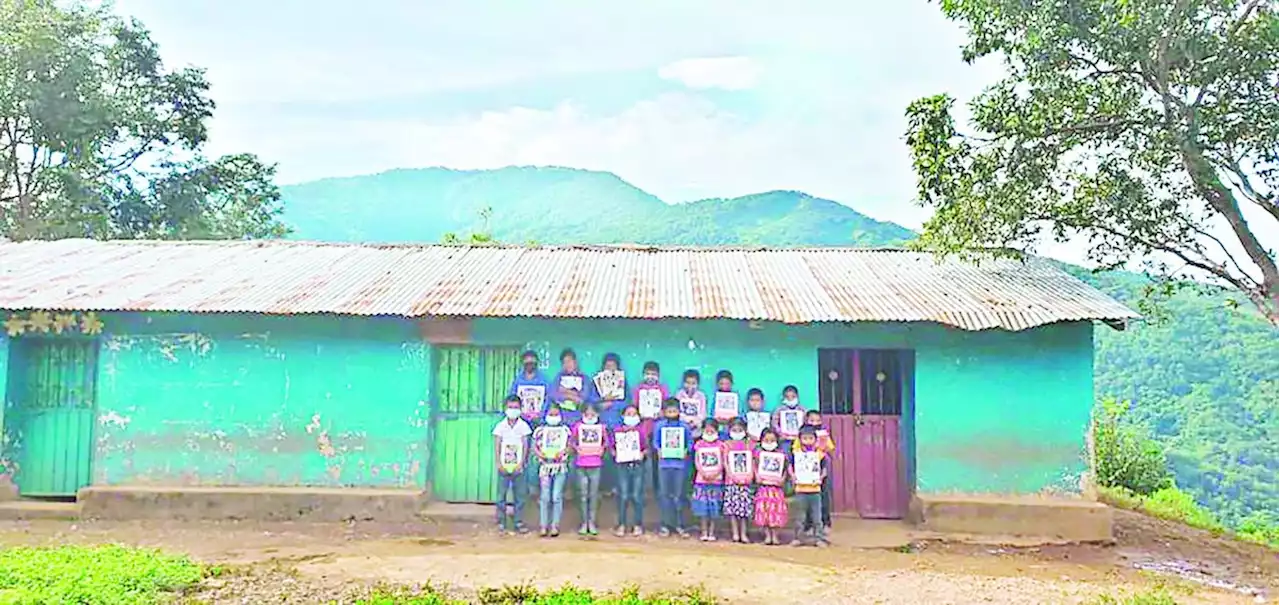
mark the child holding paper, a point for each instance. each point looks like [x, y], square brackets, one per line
[827, 444]
[611, 391]
[693, 402]
[589, 440]
[809, 466]
[630, 454]
[726, 404]
[648, 397]
[673, 441]
[708, 479]
[770, 501]
[573, 389]
[739, 472]
[789, 417]
[551, 446]
[757, 419]
[510, 449]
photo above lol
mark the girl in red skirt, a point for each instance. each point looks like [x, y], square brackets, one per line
[770, 502]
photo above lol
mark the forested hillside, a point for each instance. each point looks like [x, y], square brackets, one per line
[1204, 380]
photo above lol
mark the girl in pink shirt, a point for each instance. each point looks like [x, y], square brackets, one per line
[739, 473]
[708, 478]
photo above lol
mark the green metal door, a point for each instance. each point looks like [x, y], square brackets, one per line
[54, 386]
[471, 384]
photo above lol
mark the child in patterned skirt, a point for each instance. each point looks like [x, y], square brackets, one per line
[739, 473]
[770, 501]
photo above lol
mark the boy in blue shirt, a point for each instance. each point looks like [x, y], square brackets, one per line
[673, 441]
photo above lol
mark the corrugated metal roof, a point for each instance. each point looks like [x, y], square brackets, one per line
[792, 285]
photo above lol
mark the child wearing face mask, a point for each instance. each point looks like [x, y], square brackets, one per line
[827, 444]
[808, 500]
[708, 479]
[551, 447]
[724, 389]
[511, 451]
[587, 460]
[738, 505]
[790, 403]
[757, 419]
[631, 473]
[672, 440]
[770, 500]
[693, 402]
[648, 398]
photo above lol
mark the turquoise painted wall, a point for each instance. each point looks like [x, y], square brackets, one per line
[250, 400]
[994, 412]
[6, 462]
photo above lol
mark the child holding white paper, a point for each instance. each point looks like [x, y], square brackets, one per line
[510, 453]
[551, 447]
[630, 455]
[725, 406]
[757, 419]
[827, 444]
[739, 473]
[809, 468]
[672, 440]
[770, 500]
[708, 479]
[590, 439]
[789, 417]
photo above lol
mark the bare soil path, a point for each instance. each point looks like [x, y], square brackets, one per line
[312, 563]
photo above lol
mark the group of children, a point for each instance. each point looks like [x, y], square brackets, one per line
[720, 458]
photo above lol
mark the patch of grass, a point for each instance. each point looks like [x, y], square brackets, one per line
[1149, 597]
[1174, 504]
[92, 575]
[527, 594]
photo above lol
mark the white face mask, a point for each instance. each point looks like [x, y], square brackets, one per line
[737, 435]
[631, 420]
[791, 402]
[709, 436]
[553, 420]
[512, 413]
[769, 447]
[586, 420]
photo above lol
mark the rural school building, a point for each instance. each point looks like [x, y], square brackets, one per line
[174, 365]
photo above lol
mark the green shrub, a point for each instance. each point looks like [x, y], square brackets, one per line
[92, 575]
[1259, 529]
[1151, 597]
[1124, 455]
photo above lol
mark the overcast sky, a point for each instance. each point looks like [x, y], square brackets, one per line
[684, 99]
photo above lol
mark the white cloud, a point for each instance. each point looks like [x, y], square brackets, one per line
[728, 73]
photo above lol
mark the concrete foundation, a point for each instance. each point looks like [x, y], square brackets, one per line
[1055, 519]
[257, 503]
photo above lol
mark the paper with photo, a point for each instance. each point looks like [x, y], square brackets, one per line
[511, 453]
[611, 384]
[531, 398]
[769, 466]
[808, 468]
[650, 403]
[590, 439]
[757, 422]
[791, 421]
[569, 381]
[726, 406]
[627, 444]
[672, 440]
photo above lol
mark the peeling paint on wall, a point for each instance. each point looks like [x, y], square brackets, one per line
[225, 400]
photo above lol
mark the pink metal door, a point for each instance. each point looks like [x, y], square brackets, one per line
[879, 476]
[843, 463]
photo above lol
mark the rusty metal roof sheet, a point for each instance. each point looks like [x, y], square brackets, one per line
[791, 285]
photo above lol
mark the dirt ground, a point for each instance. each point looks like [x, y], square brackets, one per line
[310, 563]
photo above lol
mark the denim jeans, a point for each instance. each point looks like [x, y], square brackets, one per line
[551, 499]
[531, 476]
[671, 483]
[589, 493]
[631, 476]
[826, 505]
[512, 485]
[810, 514]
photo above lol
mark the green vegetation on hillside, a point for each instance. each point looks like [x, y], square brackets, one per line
[563, 206]
[1204, 381]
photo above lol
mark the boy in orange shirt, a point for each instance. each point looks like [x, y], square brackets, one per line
[809, 468]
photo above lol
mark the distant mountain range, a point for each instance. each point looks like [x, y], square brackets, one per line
[564, 205]
[1205, 382]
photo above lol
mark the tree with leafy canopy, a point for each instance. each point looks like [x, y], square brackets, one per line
[98, 139]
[1146, 127]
